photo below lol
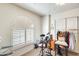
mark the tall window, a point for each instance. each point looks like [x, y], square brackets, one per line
[18, 36]
[23, 36]
[29, 35]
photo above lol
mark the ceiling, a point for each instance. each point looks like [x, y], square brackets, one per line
[47, 8]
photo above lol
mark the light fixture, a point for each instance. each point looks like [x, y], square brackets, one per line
[32, 26]
[60, 2]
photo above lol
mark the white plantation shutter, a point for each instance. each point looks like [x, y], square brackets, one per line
[29, 35]
[18, 36]
[22, 36]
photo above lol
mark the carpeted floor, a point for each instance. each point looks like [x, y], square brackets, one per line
[36, 52]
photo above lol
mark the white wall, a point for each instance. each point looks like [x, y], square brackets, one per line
[69, 13]
[12, 17]
[45, 24]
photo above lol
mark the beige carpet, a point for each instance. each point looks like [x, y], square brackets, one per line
[36, 52]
